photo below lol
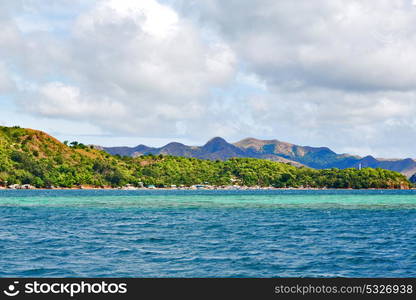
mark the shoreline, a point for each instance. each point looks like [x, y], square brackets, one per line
[196, 189]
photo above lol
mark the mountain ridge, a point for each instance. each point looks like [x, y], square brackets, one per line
[218, 148]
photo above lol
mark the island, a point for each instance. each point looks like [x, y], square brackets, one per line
[33, 159]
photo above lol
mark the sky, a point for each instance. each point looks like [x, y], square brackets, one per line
[333, 73]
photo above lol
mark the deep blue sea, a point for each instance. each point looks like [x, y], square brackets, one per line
[291, 233]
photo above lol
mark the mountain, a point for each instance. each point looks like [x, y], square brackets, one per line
[275, 150]
[413, 178]
[215, 149]
[314, 157]
[126, 151]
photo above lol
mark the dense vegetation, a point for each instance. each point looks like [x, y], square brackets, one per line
[33, 157]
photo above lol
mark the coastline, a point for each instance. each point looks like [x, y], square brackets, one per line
[241, 188]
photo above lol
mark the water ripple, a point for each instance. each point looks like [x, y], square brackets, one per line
[229, 234]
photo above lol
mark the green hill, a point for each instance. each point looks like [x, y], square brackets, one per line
[32, 157]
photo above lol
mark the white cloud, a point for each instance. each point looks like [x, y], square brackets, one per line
[128, 66]
[157, 20]
[337, 73]
[383, 122]
[60, 100]
[325, 72]
[354, 45]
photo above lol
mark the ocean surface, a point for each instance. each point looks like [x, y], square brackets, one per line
[94, 233]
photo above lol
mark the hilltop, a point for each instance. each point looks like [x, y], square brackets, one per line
[30, 156]
[275, 150]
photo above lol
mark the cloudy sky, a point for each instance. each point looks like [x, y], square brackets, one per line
[123, 72]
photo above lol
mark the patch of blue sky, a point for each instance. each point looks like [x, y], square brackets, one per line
[54, 19]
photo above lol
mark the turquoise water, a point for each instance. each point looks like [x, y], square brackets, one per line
[208, 233]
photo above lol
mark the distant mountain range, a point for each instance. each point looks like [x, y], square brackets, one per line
[313, 157]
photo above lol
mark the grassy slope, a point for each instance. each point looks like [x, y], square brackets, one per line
[31, 156]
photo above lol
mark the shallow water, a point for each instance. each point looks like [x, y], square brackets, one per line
[291, 233]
